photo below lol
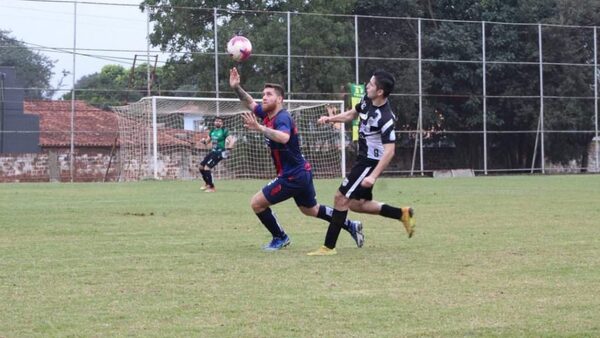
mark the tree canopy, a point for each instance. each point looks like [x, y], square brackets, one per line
[322, 49]
[33, 69]
[115, 85]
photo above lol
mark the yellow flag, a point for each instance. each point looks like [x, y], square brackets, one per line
[357, 92]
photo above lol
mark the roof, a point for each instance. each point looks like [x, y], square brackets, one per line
[93, 127]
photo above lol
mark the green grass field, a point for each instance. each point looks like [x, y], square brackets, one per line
[492, 256]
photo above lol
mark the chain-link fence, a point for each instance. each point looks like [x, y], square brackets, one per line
[486, 96]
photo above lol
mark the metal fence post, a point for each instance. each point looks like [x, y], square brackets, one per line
[289, 56]
[216, 37]
[484, 92]
[541, 63]
[420, 123]
[596, 138]
[72, 150]
[356, 49]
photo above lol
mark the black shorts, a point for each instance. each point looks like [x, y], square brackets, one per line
[351, 187]
[212, 159]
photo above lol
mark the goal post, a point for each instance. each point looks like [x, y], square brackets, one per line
[161, 137]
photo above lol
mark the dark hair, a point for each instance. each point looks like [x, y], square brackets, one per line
[385, 81]
[278, 88]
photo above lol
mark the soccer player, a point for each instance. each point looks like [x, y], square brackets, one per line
[294, 174]
[219, 137]
[375, 150]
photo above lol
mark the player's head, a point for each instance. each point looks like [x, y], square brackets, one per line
[381, 84]
[272, 96]
[218, 122]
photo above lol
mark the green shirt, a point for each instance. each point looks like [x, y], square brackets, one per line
[218, 137]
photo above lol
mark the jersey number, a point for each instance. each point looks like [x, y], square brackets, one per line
[376, 152]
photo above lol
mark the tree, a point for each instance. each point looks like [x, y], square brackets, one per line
[33, 69]
[456, 87]
[113, 86]
[573, 45]
[453, 89]
[560, 45]
[186, 28]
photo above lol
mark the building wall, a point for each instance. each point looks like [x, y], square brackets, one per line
[53, 165]
[24, 167]
[19, 133]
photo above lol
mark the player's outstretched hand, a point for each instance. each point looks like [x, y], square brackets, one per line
[250, 121]
[323, 119]
[234, 78]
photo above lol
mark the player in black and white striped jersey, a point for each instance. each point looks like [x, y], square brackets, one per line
[376, 146]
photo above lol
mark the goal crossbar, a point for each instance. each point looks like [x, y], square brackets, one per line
[159, 138]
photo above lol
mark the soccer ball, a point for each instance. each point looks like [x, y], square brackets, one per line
[239, 48]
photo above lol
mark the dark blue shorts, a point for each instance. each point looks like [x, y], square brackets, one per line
[299, 186]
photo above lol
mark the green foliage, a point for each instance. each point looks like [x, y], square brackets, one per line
[113, 86]
[34, 70]
[189, 33]
[457, 86]
[322, 49]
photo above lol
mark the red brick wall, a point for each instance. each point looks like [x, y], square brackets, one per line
[24, 168]
[89, 166]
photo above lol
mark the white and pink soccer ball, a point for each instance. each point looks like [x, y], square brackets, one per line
[239, 48]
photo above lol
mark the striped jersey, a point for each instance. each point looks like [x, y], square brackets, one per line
[376, 128]
[287, 158]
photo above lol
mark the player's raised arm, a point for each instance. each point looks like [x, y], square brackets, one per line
[272, 134]
[234, 83]
[346, 116]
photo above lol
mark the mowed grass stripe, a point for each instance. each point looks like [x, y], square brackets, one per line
[492, 256]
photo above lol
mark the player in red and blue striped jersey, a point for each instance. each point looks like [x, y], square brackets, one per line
[294, 175]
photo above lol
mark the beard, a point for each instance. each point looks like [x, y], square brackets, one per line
[269, 107]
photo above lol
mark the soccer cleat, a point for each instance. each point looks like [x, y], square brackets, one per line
[277, 243]
[408, 220]
[209, 189]
[204, 187]
[356, 233]
[323, 251]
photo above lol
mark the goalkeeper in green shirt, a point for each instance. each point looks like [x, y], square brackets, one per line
[220, 140]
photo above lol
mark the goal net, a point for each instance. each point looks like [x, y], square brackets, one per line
[161, 138]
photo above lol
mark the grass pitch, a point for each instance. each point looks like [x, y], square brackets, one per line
[492, 256]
